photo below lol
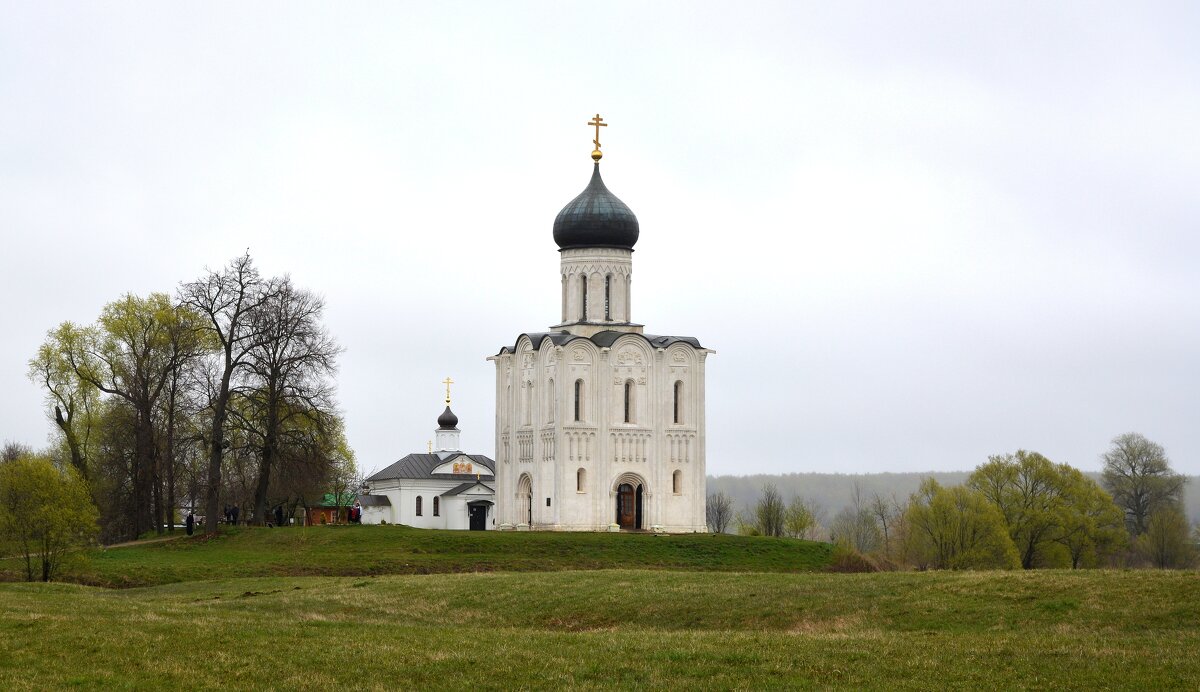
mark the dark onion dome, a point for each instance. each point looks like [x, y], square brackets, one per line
[448, 421]
[596, 218]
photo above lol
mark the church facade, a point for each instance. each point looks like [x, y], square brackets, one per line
[599, 425]
[443, 489]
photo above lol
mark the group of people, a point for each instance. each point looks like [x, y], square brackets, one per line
[354, 514]
[231, 514]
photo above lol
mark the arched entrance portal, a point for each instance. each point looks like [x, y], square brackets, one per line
[525, 500]
[629, 505]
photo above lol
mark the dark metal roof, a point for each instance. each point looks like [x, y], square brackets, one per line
[603, 339]
[460, 489]
[596, 218]
[374, 501]
[448, 421]
[422, 466]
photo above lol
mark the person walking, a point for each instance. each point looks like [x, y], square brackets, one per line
[190, 523]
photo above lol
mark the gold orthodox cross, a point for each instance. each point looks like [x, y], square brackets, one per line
[430, 443]
[447, 382]
[598, 123]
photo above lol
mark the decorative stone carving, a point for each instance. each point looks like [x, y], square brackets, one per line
[629, 357]
[679, 357]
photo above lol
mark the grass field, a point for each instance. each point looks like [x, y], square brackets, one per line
[377, 550]
[660, 627]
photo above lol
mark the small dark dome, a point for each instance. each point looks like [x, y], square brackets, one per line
[448, 421]
[596, 218]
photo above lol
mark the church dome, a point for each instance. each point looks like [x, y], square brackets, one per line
[447, 421]
[596, 218]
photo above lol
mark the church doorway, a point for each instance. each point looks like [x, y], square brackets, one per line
[525, 500]
[629, 506]
[478, 514]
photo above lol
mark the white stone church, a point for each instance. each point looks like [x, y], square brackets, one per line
[599, 426]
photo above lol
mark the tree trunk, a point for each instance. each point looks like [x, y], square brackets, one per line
[169, 457]
[77, 459]
[142, 473]
[270, 442]
[212, 500]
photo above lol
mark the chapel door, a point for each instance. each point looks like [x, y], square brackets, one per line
[626, 506]
[478, 517]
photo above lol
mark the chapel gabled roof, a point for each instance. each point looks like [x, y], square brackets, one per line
[462, 488]
[422, 466]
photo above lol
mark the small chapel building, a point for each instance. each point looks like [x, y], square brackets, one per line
[599, 426]
[445, 488]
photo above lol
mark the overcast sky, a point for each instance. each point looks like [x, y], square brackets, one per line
[915, 234]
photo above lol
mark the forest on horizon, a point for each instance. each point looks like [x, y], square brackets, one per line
[834, 491]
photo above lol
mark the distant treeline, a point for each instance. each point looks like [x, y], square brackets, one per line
[833, 491]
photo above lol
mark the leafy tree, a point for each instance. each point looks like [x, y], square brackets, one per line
[956, 528]
[1094, 527]
[800, 518]
[1032, 494]
[345, 478]
[70, 399]
[1166, 542]
[128, 355]
[769, 512]
[718, 511]
[1139, 477]
[44, 513]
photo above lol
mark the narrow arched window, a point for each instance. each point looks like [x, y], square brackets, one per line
[608, 297]
[583, 297]
[677, 482]
[551, 400]
[580, 480]
[578, 400]
[436, 508]
[628, 401]
[678, 402]
[418, 505]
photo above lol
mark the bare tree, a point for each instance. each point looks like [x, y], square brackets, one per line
[1140, 480]
[887, 514]
[288, 390]
[769, 513]
[226, 299]
[11, 451]
[718, 510]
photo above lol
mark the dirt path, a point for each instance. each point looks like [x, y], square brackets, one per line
[127, 544]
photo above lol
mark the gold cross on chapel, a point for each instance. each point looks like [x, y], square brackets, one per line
[598, 123]
[447, 382]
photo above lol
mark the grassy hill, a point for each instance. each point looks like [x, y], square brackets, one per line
[390, 607]
[376, 550]
[610, 629]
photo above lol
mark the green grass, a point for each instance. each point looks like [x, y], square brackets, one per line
[375, 550]
[392, 607]
[608, 629]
